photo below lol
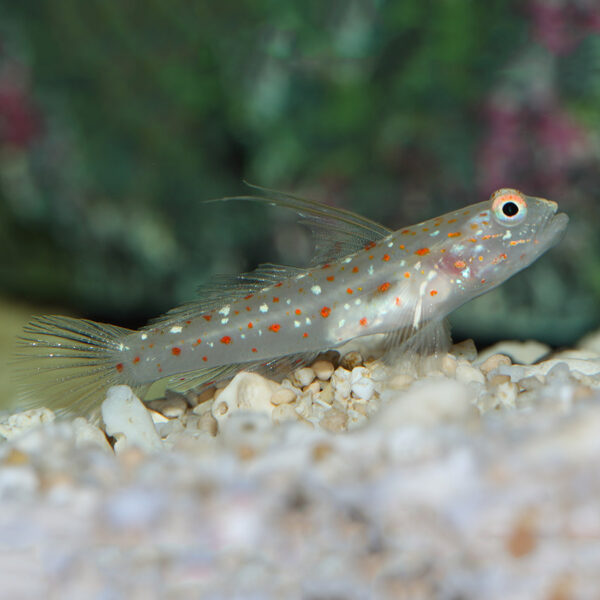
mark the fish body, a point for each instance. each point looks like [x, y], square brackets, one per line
[393, 282]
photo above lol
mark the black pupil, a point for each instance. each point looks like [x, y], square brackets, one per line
[510, 209]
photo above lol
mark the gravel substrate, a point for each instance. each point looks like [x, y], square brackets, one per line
[463, 476]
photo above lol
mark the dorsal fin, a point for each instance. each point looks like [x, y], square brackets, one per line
[223, 289]
[337, 232]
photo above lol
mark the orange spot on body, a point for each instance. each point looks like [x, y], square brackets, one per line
[407, 274]
[119, 367]
[300, 290]
[298, 311]
[150, 345]
[454, 234]
[401, 246]
[349, 291]
[250, 325]
[371, 257]
[305, 335]
[225, 340]
[425, 228]
[370, 245]
[330, 278]
[248, 308]
[386, 257]
[275, 327]
[405, 231]
[363, 322]
[236, 312]
[136, 360]
[325, 312]
[355, 269]
[384, 287]
[451, 220]
[207, 317]
[188, 322]
[422, 251]
[483, 281]
[433, 293]
[474, 240]
[326, 266]
[254, 350]
[503, 256]
[175, 351]
[398, 301]
[278, 284]
[248, 296]
[474, 226]
[205, 358]
[275, 299]
[460, 264]
[198, 341]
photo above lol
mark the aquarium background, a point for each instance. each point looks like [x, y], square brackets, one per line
[117, 120]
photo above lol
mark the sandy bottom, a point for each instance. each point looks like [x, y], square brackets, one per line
[462, 477]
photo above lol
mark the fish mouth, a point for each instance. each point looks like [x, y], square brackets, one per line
[554, 228]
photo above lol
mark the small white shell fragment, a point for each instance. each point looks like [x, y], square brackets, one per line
[171, 408]
[326, 395]
[323, 369]
[87, 434]
[283, 396]
[465, 373]
[493, 362]
[304, 376]
[523, 353]
[340, 381]
[313, 388]
[127, 419]
[157, 418]
[283, 413]
[18, 423]
[245, 392]
[465, 350]
[361, 384]
[203, 407]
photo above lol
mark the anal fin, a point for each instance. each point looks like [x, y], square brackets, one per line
[275, 369]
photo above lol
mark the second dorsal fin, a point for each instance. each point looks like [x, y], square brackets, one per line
[223, 289]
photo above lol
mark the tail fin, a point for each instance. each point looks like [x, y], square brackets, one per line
[67, 364]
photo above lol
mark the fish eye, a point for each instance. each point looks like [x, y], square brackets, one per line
[508, 207]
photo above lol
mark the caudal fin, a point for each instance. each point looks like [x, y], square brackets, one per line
[67, 364]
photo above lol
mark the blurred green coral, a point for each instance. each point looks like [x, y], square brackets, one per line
[396, 109]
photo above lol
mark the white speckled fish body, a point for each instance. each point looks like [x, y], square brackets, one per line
[398, 282]
[409, 278]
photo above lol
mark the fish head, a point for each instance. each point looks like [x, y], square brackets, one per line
[491, 241]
